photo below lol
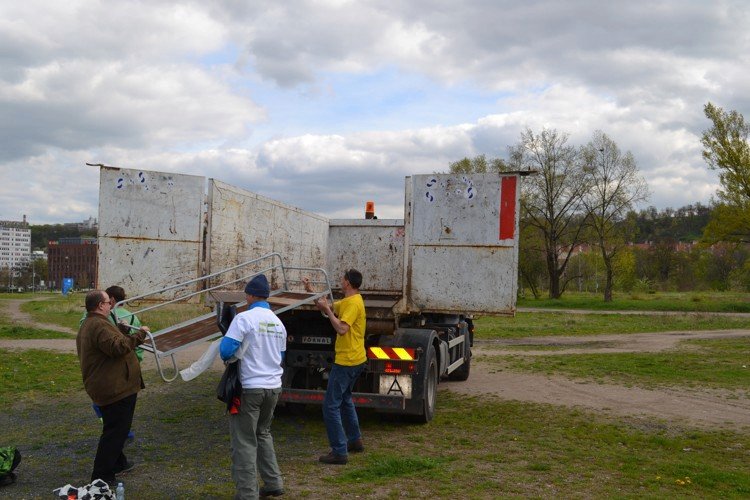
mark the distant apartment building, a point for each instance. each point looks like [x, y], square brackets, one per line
[15, 244]
[87, 224]
[38, 255]
[72, 258]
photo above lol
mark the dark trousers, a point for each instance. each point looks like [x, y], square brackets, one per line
[117, 418]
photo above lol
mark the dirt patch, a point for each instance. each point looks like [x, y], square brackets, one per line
[699, 407]
[707, 409]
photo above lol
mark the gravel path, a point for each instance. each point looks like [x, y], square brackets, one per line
[700, 407]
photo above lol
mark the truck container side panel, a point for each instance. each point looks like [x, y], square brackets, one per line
[374, 247]
[149, 228]
[467, 279]
[458, 210]
[246, 225]
[456, 259]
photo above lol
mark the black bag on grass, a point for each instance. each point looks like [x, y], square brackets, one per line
[10, 457]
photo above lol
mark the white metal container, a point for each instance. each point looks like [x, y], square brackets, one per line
[243, 226]
[375, 247]
[462, 243]
[149, 228]
[456, 251]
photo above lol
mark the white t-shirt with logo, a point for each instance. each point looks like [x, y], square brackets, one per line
[260, 366]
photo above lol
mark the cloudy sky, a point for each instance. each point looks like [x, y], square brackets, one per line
[326, 104]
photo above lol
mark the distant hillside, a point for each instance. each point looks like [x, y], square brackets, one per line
[43, 233]
[682, 224]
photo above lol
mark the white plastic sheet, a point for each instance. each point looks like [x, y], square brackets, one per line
[208, 357]
[203, 363]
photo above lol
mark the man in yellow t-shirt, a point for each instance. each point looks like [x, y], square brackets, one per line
[348, 320]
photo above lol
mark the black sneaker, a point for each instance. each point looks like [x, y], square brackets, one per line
[333, 458]
[265, 493]
[355, 446]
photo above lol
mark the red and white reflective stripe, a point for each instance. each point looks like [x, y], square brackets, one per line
[397, 353]
[508, 208]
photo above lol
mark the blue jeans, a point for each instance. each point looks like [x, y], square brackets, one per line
[339, 413]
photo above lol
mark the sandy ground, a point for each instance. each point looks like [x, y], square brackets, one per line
[704, 408]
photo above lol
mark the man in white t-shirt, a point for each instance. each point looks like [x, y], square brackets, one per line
[263, 337]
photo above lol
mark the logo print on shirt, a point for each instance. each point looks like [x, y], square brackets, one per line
[269, 328]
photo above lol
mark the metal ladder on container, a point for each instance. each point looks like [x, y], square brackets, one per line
[168, 341]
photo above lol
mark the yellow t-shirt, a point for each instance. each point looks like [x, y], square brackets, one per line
[350, 347]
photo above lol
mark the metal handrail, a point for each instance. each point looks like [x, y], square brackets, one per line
[150, 344]
[204, 278]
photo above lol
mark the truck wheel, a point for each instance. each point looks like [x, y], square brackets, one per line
[429, 396]
[462, 373]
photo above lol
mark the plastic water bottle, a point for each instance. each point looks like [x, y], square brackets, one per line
[120, 491]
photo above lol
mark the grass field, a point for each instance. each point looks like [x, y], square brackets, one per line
[475, 448]
[535, 324]
[31, 374]
[713, 363]
[11, 331]
[660, 301]
[67, 311]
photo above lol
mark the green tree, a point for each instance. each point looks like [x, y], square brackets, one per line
[479, 164]
[726, 150]
[552, 203]
[615, 186]
[530, 259]
[624, 264]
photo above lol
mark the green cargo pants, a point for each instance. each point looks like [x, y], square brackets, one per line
[252, 444]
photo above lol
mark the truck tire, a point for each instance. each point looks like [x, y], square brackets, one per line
[462, 373]
[429, 397]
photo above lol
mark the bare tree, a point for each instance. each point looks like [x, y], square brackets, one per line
[615, 187]
[479, 165]
[552, 202]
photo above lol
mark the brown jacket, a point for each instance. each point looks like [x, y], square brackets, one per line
[109, 366]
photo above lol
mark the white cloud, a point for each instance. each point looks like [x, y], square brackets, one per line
[325, 104]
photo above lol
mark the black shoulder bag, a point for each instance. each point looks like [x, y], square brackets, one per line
[229, 386]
